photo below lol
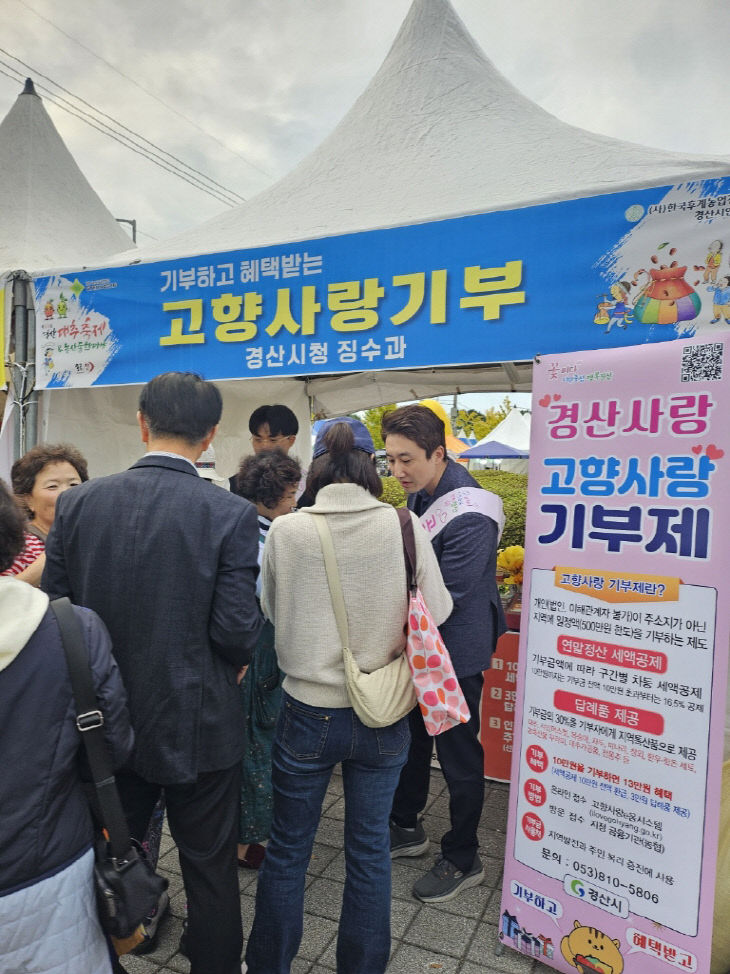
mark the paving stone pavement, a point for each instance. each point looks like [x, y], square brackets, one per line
[458, 937]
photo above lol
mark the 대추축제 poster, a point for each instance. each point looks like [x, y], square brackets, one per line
[612, 834]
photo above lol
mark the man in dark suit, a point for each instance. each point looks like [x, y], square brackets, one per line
[169, 562]
[464, 522]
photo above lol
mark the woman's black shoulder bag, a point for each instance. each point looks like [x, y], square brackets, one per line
[127, 888]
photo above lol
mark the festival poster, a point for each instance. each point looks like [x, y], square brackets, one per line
[612, 832]
[638, 267]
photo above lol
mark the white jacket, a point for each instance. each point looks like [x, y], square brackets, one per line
[63, 908]
[295, 594]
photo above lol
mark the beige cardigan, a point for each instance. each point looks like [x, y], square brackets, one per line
[295, 593]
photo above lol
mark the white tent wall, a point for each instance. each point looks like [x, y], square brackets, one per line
[102, 423]
[336, 395]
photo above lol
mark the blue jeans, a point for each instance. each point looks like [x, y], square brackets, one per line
[309, 742]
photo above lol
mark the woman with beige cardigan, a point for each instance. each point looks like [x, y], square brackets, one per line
[317, 728]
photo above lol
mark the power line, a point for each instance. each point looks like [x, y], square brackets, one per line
[191, 170]
[146, 91]
[121, 125]
[105, 129]
[127, 144]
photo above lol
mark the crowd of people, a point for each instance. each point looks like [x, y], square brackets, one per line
[218, 666]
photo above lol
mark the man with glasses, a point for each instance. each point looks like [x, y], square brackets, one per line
[272, 428]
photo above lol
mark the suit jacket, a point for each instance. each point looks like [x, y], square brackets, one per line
[169, 562]
[466, 550]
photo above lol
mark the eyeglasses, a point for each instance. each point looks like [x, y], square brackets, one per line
[261, 440]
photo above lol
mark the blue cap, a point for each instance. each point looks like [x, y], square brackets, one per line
[363, 439]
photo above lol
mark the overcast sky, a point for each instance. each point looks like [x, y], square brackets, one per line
[251, 86]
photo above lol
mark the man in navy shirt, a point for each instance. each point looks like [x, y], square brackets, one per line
[464, 533]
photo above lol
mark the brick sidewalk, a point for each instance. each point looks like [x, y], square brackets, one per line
[458, 937]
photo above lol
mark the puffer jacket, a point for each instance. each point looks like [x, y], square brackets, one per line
[45, 826]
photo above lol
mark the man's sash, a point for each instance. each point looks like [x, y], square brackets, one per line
[463, 500]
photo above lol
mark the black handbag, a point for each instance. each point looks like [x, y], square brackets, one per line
[127, 888]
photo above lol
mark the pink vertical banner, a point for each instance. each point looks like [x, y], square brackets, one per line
[612, 833]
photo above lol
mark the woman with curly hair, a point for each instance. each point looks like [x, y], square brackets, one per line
[269, 480]
[38, 478]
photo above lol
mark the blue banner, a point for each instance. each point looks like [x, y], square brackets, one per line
[619, 269]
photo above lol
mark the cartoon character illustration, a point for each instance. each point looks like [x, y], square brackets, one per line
[665, 298]
[48, 309]
[48, 358]
[616, 312]
[621, 313]
[720, 300]
[588, 950]
[712, 261]
[62, 306]
[602, 317]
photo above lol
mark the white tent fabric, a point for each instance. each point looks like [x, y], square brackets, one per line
[102, 423]
[7, 443]
[439, 132]
[514, 430]
[49, 214]
[335, 395]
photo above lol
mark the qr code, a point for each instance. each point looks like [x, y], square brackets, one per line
[702, 362]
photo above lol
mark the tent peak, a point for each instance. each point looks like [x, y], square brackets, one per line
[49, 214]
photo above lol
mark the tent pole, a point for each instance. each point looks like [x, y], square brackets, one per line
[23, 379]
[31, 416]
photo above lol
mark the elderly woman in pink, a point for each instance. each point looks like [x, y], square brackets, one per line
[38, 478]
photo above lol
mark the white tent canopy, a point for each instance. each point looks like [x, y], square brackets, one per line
[514, 431]
[49, 213]
[438, 133]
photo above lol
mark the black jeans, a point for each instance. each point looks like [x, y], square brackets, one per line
[461, 757]
[203, 821]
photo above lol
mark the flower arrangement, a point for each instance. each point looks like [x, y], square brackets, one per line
[509, 564]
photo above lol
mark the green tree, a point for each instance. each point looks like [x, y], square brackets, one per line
[466, 419]
[373, 418]
[473, 423]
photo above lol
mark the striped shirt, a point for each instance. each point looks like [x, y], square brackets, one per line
[264, 525]
[33, 547]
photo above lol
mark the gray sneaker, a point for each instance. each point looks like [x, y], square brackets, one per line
[407, 842]
[445, 881]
